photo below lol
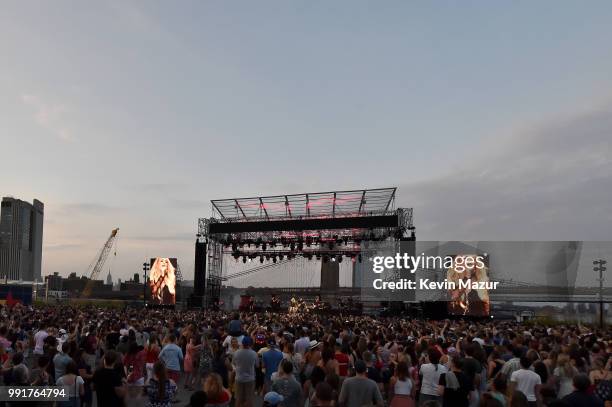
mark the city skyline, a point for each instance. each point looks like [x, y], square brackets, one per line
[493, 125]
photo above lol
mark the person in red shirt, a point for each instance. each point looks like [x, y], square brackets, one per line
[342, 357]
[216, 394]
[134, 364]
[151, 352]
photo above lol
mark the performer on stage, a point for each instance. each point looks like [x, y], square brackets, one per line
[302, 305]
[467, 301]
[294, 305]
[275, 303]
[317, 305]
[162, 281]
[252, 303]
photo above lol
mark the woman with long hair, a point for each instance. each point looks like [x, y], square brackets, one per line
[323, 396]
[401, 387]
[429, 376]
[162, 280]
[134, 363]
[600, 371]
[328, 363]
[221, 363]
[192, 349]
[495, 363]
[87, 374]
[293, 357]
[216, 394]
[564, 374]
[75, 385]
[206, 359]
[161, 389]
[151, 356]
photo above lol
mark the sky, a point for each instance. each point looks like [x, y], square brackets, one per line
[494, 119]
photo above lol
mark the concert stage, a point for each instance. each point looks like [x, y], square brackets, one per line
[273, 231]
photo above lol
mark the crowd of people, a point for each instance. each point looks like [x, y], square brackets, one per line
[116, 357]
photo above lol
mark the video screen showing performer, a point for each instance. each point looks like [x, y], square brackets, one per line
[162, 280]
[467, 297]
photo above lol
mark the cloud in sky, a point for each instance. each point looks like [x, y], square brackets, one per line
[51, 116]
[551, 182]
[135, 115]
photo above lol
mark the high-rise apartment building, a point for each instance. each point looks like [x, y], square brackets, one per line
[21, 232]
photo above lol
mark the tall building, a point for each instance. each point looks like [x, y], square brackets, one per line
[21, 233]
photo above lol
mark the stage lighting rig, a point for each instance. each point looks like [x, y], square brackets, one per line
[311, 224]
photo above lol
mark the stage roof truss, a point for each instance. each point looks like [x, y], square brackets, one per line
[310, 205]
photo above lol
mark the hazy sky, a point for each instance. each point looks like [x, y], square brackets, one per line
[493, 118]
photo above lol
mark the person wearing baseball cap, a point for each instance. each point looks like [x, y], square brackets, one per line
[272, 398]
[247, 341]
[271, 359]
[245, 361]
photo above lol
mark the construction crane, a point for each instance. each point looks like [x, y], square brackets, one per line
[96, 265]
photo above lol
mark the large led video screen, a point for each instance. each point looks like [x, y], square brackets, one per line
[162, 280]
[467, 278]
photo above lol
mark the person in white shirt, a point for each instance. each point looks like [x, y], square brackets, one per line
[39, 340]
[227, 343]
[429, 375]
[61, 338]
[526, 381]
[302, 344]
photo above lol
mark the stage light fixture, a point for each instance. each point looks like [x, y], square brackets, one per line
[325, 259]
[249, 260]
[244, 259]
[360, 258]
[274, 259]
[339, 258]
[261, 259]
[333, 258]
[281, 256]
